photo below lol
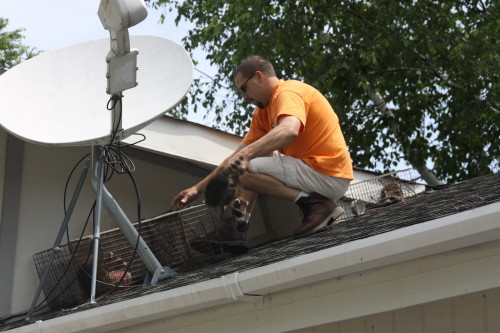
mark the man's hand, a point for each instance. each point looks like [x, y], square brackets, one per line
[185, 197]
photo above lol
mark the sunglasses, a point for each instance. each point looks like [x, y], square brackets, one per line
[243, 87]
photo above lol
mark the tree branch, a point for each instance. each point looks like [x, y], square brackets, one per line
[381, 106]
[443, 77]
[428, 63]
[398, 69]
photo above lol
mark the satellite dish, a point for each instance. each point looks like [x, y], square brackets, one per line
[59, 98]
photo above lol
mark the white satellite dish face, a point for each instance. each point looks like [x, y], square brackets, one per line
[59, 98]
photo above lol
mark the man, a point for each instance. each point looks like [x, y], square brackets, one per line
[312, 167]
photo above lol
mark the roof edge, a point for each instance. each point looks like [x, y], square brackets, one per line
[473, 227]
[453, 232]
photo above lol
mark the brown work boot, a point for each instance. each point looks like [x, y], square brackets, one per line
[229, 236]
[317, 212]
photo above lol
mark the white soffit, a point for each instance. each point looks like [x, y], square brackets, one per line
[196, 143]
[188, 141]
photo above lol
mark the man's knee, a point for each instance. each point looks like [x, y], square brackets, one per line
[248, 178]
[258, 182]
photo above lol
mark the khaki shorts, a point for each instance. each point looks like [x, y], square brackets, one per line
[297, 174]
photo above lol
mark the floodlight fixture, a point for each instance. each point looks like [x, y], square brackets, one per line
[119, 15]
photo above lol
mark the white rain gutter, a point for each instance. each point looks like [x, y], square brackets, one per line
[449, 233]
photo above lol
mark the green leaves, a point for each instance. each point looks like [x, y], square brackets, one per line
[434, 63]
[12, 51]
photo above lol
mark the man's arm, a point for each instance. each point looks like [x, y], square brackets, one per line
[185, 197]
[284, 133]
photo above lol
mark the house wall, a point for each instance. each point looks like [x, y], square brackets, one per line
[4, 308]
[3, 151]
[43, 173]
[12, 152]
[471, 313]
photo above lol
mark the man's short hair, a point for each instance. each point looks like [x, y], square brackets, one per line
[255, 63]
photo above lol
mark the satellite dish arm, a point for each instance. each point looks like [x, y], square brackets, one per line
[120, 42]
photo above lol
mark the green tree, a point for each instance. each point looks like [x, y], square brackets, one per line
[12, 50]
[412, 80]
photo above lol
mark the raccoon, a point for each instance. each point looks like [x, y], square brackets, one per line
[113, 261]
[113, 277]
[224, 192]
[391, 193]
[110, 269]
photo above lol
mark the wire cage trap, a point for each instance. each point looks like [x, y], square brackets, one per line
[381, 191]
[168, 236]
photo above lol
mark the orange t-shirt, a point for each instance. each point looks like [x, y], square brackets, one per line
[320, 142]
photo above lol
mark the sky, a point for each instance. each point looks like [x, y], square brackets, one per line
[53, 24]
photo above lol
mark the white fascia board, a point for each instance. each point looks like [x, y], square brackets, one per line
[473, 227]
